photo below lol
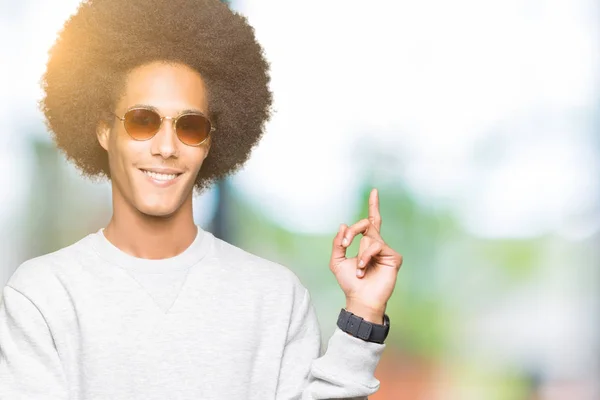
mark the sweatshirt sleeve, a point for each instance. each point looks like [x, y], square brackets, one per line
[345, 371]
[30, 368]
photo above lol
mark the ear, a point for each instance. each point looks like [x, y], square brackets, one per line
[208, 143]
[103, 134]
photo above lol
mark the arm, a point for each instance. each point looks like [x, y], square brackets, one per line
[345, 371]
[30, 368]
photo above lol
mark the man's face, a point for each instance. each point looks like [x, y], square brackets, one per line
[169, 89]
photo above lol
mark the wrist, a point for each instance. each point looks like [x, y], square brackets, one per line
[369, 314]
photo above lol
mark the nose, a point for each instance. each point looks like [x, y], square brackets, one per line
[165, 142]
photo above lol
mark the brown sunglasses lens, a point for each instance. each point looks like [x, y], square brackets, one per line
[142, 124]
[192, 129]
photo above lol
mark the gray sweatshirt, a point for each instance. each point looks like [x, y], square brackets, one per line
[90, 322]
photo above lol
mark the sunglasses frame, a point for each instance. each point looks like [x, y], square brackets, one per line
[174, 121]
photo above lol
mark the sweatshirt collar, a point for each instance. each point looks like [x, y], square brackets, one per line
[182, 261]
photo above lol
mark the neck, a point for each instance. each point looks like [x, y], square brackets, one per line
[150, 237]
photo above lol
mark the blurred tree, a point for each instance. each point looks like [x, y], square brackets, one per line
[221, 223]
[44, 200]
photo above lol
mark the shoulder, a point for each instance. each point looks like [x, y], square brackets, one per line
[44, 273]
[255, 269]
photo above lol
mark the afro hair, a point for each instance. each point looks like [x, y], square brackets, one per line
[105, 39]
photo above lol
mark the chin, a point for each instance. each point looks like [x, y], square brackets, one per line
[159, 202]
[157, 210]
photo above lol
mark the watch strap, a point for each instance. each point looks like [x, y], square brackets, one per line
[365, 330]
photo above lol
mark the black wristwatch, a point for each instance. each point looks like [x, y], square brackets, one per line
[365, 330]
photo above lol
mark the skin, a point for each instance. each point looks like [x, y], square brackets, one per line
[149, 221]
[154, 222]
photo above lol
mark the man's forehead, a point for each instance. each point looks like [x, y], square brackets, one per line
[169, 88]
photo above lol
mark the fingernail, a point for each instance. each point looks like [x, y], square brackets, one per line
[359, 273]
[361, 263]
[345, 242]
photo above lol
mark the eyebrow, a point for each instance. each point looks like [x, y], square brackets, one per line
[187, 110]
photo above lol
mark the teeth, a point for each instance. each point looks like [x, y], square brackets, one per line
[160, 177]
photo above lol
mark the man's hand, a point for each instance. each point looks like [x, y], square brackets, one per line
[367, 280]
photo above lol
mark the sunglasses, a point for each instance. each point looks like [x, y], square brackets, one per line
[142, 123]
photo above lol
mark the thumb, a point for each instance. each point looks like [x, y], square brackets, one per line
[338, 253]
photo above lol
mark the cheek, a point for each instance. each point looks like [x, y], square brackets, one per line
[116, 144]
[125, 151]
[194, 157]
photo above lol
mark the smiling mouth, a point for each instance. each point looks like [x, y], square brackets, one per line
[159, 176]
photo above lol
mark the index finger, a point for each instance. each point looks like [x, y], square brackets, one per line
[374, 215]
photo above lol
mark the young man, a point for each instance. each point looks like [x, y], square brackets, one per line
[163, 97]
